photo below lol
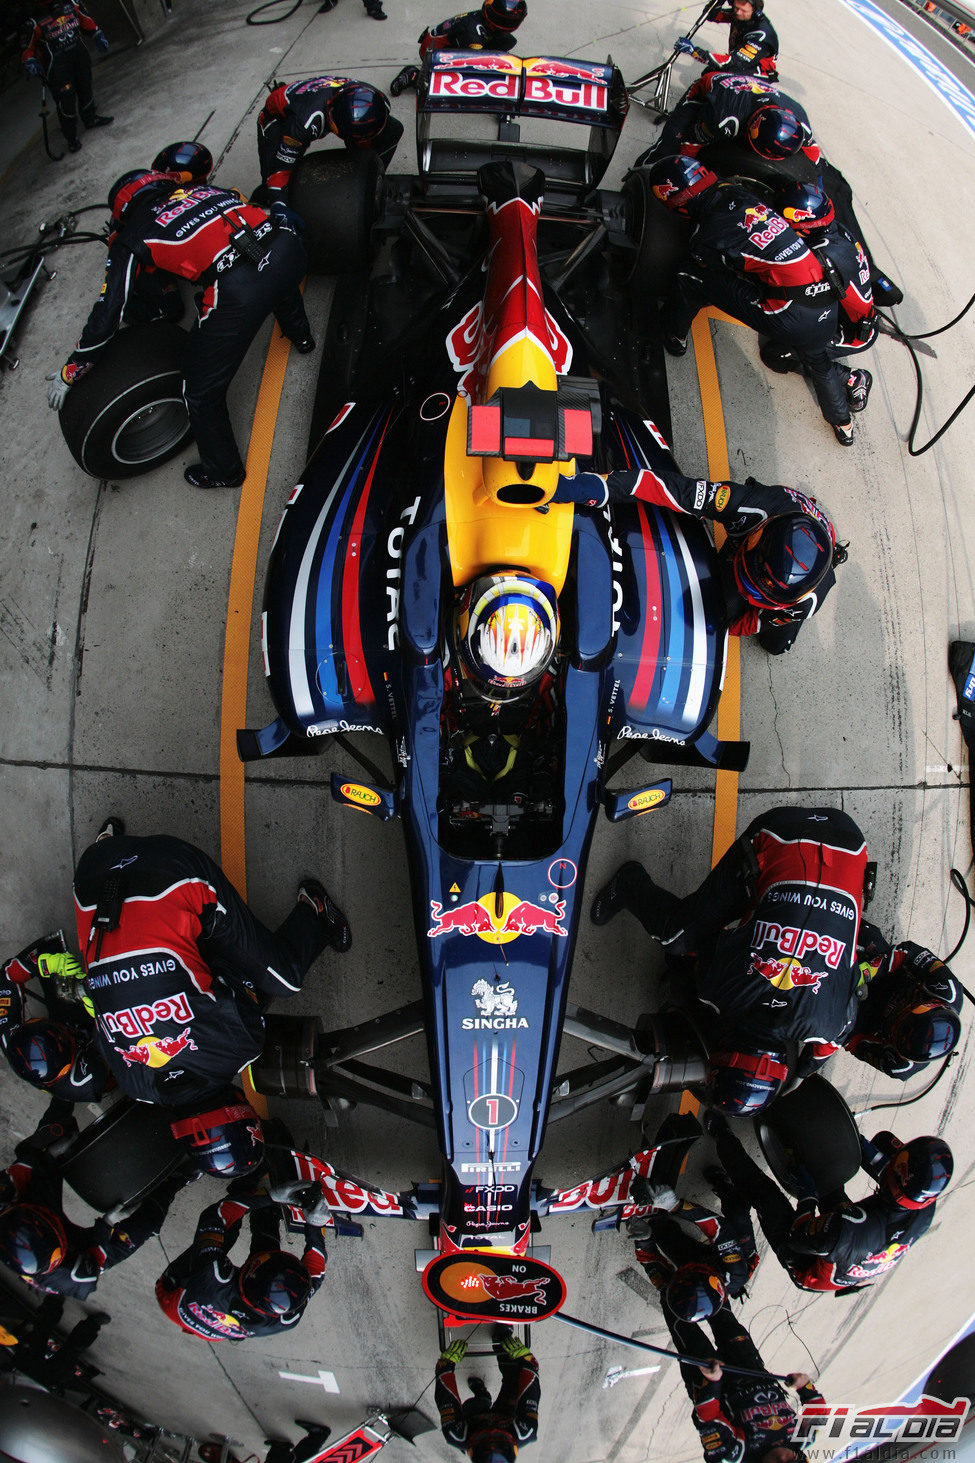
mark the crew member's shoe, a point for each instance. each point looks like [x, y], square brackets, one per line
[197, 478]
[843, 434]
[112, 827]
[675, 345]
[101, 121]
[374, 10]
[615, 895]
[74, 145]
[858, 389]
[304, 346]
[408, 77]
[313, 893]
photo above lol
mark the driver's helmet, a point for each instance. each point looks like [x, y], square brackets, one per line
[924, 1031]
[137, 186]
[695, 1292]
[506, 631]
[226, 1141]
[783, 561]
[41, 1051]
[190, 161]
[806, 207]
[746, 1080]
[274, 1283]
[358, 112]
[504, 15]
[678, 180]
[775, 133]
[493, 1451]
[918, 1172]
[32, 1239]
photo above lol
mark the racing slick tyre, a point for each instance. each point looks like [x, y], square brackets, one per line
[127, 414]
[121, 1156]
[810, 1128]
[731, 161]
[658, 235]
[337, 193]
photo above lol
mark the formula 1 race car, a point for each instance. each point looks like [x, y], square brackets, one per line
[471, 385]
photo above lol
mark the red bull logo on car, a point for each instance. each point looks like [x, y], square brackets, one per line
[516, 917]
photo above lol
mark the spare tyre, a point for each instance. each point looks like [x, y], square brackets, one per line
[127, 414]
[337, 193]
[659, 235]
[810, 1133]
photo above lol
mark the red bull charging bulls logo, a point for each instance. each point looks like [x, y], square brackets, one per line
[517, 917]
[156, 1051]
[494, 1286]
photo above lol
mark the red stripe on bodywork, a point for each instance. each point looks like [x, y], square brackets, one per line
[355, 660]
[650, 648]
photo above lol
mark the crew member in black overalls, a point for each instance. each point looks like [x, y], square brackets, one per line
[57, 1051]
[753, 46]
[37, 1239]
[54, 51]
[490, 1431]
[777, 561]
[209, 1296]
[295, 116]
[492, 28]
[247, 264]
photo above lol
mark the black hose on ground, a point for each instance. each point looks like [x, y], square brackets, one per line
[898, 334]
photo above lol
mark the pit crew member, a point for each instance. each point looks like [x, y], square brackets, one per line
[204, 234]
[295, 116]
[37, 1239]
[180, 970]
[908, 1010]
[54, 52]
[55, 1052]
[745, 258]
[769, 944]
[725, 107]
[490, 1431]
[753, 46]
[206, 1294]
[777, 562]
[492, 28]
[835, 1243]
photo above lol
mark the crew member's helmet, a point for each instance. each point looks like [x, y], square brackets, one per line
[775, 132]
[923, 1032]
[504, 14]
[918, 1172]
[274, 1283]
[678, 180]
[783, 561]
[190, 161]
[32, 1239]
[745, 1081]
[507, 631]
[358, 112]
[41, 1051]
[695, 1292]
[137, 186]
[226, 1141]
[493, 1452]
[806, 207]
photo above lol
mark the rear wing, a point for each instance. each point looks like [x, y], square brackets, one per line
[510, 89]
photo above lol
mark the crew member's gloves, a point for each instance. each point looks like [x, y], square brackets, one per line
[63, 963]
[33, 67]
[586, 487]
[686, 47]
[454, 1353]
[59, 387]
[286, 217]
[102, 41]
[513, 1349]
[304, 1195]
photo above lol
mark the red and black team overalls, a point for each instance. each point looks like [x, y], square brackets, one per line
[295, 116]
[753, 46]
[191, 235]
[54, 40]
[179, 986]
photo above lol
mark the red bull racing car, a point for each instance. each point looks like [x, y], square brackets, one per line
[490, 349]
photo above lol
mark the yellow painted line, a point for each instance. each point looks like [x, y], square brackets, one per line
[729, 707]
[240, 603]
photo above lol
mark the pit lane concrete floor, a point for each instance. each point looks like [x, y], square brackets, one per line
[114, 606]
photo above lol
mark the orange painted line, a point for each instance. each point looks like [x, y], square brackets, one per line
[240, 604]
[729, 707]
